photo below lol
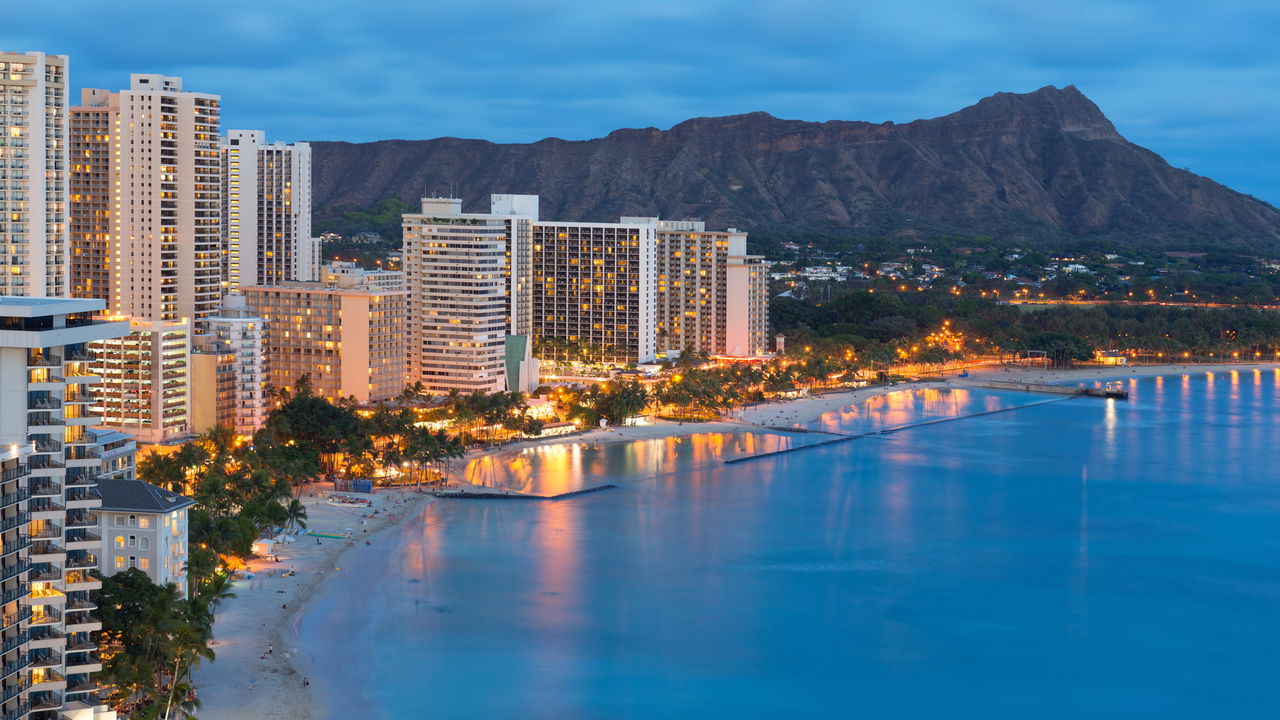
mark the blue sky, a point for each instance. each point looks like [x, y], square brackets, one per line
[1197, 82]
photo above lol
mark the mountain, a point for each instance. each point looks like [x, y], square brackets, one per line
[1040, 167]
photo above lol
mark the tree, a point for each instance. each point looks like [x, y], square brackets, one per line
[1061, 348]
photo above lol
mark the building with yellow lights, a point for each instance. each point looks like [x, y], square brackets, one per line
[50, 462]
[712, 297]
[266, 211]
[33, 174]
[595, 291]
[348, 342]
[469, 295]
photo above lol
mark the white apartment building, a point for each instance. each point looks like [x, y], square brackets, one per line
[350, 275]
[145, 381]
[595, 291]
[33, 174]
[240, 402]
[266, 209]
[49, 464]
[145, 527]
[712, 297]
[468, 280]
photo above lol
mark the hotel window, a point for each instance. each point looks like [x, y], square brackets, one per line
[144, 563]
[133, 561]
[119, 562]
[119, 541]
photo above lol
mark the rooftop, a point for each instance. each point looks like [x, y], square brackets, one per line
[139, 496]
[26, 307]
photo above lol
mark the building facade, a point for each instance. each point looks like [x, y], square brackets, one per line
[145, 381]
[33, 174]
[237, 385]
[50, 461]
[712, 297]
[468, 279]
[165, 174]
[348, 342]
[595, 291]
[145, 527]
[350, 275]
[266, 208]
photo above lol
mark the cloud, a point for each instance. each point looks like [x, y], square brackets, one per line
[1194, 81]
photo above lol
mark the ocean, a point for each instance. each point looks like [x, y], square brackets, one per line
[1085, 558]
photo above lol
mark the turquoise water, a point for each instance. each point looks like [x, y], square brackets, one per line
[1087, 558]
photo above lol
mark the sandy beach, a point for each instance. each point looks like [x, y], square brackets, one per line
[262, 618]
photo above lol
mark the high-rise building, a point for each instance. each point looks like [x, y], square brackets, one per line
[594, 291]
[712, 297]
[166, 199]
[49, 464]
[229, 371]
[148, 179]
[469, 304]
[33, 174]
[266, 207]
[348, 342]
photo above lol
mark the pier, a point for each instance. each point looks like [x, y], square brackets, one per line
[839, 438]
[1117, 393]
[502, 494]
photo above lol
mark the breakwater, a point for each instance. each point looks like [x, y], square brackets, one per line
[841, 438]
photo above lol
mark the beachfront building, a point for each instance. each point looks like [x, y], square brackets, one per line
[348, 342]
[712, 297]
[229, 371]
[469, 295]
[595, 291]
[350, 275]
[145, 527]
[266, 210]
[33, 174]
[50, 461]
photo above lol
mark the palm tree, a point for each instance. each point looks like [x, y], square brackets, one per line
[295, 514]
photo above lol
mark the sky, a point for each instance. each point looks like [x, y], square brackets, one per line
[1197, 82]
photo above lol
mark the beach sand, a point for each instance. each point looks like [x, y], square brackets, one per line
[241, 684]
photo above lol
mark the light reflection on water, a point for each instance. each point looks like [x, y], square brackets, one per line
[1086, 558]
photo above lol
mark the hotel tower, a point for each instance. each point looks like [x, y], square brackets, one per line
[33, 174]
[50, 460]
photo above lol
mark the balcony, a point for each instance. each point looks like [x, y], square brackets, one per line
[45, 617]
[42, 548]
[21, 663]
[42, 360]
[14, 473]
[15, 642]
[20, 712]
[44, 403]
[15, 594]
[18, 520]
[44, 463]
[81, 519]
[23, 614]
[14, 498]
[45, 658]
[46, 506]
[18, 544]
[44, 488]
[81, 560]
[12, 692]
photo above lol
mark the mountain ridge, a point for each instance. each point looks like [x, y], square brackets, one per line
[1043, 167]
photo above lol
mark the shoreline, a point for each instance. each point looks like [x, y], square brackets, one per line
[266, 611]
[241, 683]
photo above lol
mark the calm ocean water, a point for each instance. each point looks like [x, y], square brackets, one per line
[1088, 558]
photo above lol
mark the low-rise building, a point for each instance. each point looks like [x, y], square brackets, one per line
[143, 526]
[348, 342]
